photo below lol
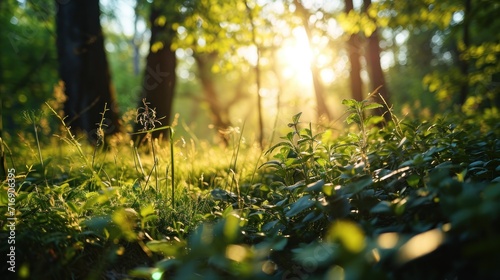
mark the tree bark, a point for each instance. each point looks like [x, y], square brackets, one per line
[84, 68]
[374, 67]
[353, 50]
[159, 81]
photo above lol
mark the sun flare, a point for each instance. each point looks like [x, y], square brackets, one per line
[296, 56]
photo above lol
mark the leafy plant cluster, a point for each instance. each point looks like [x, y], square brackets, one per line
[413, 200]
[407, 199]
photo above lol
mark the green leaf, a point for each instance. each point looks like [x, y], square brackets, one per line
[296, 118]
[73, 207]
[300, 205]
[299, 184]
[168, 264]
[374, 120]
[413, 180]
[329, 189]
[231, 227]
[166, 247]
[274, 163]
[223, 195]
[349, 234]
[356, 187]
[383, 207]
[316, 186]
[147, 210]
[313, 216]
[268, 226]
[280, 144]
[371, 106]
[351, 103]
[353, 118]
[98, 224]
[143, 272]
[477, 163]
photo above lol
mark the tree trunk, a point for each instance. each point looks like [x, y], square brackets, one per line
[353, 50]
[136, 42]
[257, 71]
[374, 67]
[158, 86]
[322, 108]
[219, 117]
[84, 68]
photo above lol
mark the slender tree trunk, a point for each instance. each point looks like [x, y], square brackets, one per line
[257, 77]
[220, 119]
[84, 68]
[319, 90]
[158, 86]
[464, 65]
[353, 49]
[137, 38]
[374, 67]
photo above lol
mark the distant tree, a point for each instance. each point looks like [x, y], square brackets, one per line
[84, 68]
[464, 64]
[372, 55]
[215, 32]
[364, 22]
[159, 80]
[158, 86]
[354, 52]
[462, 37]
[28, 70]
[219, 111]
[322, 107]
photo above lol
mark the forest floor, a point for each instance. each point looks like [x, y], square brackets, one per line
[410, 200]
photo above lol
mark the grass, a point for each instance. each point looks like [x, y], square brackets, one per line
[324, 207]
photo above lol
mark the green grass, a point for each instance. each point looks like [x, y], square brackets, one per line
[412, 200]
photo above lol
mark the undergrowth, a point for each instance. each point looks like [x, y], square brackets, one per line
[407, 199]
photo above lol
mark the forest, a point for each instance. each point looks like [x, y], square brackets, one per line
[258, 139]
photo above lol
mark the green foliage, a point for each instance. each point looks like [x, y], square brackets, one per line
[408, 199]
[28, 70]
[426, 197]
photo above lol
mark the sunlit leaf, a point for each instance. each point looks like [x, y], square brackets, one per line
[143, 272]
[147, 210]
[126, 219]
[350, 103]
[231, 227]
[348, 234]
[296, 118]
[371, 106]
[157, 46]
[160, 21]
[165, 247]
[420, 245]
